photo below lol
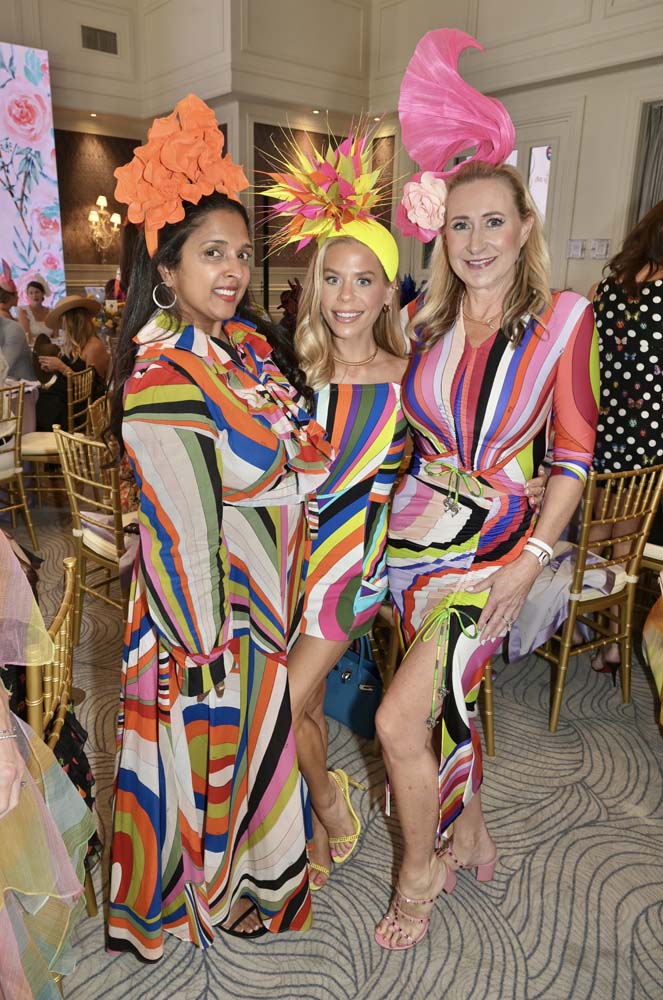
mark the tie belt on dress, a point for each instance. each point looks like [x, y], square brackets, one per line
[462, 482]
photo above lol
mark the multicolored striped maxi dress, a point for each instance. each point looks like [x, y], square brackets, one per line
[482, 419]
[346, 580]
[208, 803]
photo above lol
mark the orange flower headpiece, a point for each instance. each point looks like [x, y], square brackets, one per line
[181, 161]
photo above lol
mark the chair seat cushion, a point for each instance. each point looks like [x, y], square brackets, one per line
[98, 535]
[547, 604]
[39, 443]
[7, 467]
[653, 551]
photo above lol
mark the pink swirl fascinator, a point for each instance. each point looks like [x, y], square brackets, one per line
[441, 117]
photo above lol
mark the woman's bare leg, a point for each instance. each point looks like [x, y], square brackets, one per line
[412, 767]
[309, 662]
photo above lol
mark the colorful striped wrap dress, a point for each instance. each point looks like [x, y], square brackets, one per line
[208, 804]
[482, 419]
[346, 581]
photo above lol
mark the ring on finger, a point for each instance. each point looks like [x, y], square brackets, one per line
[508, 621]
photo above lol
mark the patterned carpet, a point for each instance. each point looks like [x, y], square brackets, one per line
[576, 907]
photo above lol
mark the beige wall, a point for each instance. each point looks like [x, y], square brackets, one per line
[574, 73]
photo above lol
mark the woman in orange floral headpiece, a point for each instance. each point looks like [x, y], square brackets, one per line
[208, 825]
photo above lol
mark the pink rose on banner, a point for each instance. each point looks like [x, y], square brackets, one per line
[24, 113]
[45, 219]
[49, 262]
[422, 210]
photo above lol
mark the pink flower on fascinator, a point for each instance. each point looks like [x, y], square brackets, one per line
[422, 211]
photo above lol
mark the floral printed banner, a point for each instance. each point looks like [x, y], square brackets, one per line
[30, 228]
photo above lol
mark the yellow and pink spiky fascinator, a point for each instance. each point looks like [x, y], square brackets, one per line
[323, 196]
[181, 161]
[441, 117]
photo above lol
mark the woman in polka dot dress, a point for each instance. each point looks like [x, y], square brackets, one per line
[628, 304]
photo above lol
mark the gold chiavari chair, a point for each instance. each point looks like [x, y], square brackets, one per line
[11, 459]
[98, 525]
[97, 418]
[39, 447]
[618, 509]
[48, 685]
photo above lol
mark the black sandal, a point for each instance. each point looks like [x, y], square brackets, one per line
[258, 932]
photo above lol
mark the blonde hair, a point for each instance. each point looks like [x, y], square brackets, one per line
[530, 292]
[78, 328]
[313, 339]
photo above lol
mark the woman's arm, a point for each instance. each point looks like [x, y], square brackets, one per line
[575, 415]
[96, 356]
[171, 440]
[11, 762]
[22, 317]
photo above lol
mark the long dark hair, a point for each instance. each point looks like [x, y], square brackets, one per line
[140, 305]
[643, 247]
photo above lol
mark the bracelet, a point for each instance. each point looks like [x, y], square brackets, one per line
[538, 553]
[8, 734]
[542, 545]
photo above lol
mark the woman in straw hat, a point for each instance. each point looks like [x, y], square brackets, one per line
[32, 316]
[81, 345]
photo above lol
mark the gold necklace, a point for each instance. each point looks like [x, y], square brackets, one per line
[482, 322]
[356, 364]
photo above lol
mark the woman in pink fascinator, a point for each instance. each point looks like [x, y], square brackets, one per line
[501, 366]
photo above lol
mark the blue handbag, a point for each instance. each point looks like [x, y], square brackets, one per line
[354, 689]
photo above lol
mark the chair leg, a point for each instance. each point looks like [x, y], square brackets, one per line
[562, 667]
[488, 704]
[26, 513]
[91, 907]
[625, 618]
[80, 597]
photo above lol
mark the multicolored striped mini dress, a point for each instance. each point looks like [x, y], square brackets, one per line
[347, 573]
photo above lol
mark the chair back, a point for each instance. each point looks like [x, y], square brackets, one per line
[93, 487]
[11, 428]
[618, 510]
[49, 684]
[79, 390]
[97, 418]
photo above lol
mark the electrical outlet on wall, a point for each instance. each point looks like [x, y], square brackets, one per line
[575, 250]
[599, 249]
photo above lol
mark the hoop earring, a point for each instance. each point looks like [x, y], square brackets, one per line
[155, 298]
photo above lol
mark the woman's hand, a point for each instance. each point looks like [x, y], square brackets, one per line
[51, 364]
[509, 588]
[535, 488]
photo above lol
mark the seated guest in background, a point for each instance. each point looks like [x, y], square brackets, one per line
[32, 316]
[81, 345]
[500, 364]
[628, 304]
[13, 342]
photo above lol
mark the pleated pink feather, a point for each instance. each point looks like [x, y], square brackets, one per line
[441, 115]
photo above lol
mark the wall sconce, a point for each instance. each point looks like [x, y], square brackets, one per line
[104, 227]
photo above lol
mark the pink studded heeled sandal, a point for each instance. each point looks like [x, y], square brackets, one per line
[394, 916]
[483, 872]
